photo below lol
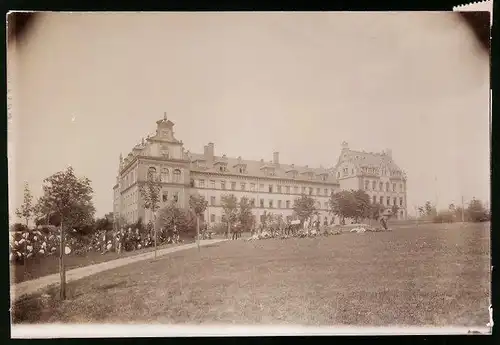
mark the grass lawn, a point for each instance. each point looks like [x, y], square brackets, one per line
[431, 275]
[44, 265]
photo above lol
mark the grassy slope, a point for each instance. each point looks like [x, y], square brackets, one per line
[426, 276]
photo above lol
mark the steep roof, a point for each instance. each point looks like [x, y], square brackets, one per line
[256, 168]
[368, 159]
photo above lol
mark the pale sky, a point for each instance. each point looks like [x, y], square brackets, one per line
[87, 87]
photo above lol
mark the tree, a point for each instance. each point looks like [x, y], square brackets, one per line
[394, 210]
[343, 204]
[476, 211]
[266, 219]
[27, 209]
[376, 210]
[172, 216]
[245, 216]
[229, 205]
[71, 198]
[150, 193]
[430, 211]
[41, 212]
[361, 204]
[304, 207]
[421, 211]
[103, 224]
[198, 204]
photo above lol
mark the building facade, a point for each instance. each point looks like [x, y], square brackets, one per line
[271, 186]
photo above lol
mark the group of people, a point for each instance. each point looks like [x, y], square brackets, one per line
[133, 239]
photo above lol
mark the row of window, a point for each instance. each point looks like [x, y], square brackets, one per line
[345, 172]
[270, 188]
[175, 196]
[131, 177]
[381, 186]
[270, 203]
[268, 171]
[165, 174]
[388, 200]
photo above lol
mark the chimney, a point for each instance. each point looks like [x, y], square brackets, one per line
[345, 146]
[209, 156]
[276, 158]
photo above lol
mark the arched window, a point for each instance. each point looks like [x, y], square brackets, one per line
[151, 173]
[387, 186]
[164, 174]
[177, 175]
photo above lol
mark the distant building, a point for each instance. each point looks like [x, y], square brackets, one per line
[376, 174]
[270, 185]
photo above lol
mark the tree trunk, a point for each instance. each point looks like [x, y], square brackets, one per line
[154, 229]
[62, 269]
[198, 231]
[228, 229]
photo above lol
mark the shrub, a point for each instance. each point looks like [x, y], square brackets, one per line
[444, 217]
[219, 228]
[19, 227]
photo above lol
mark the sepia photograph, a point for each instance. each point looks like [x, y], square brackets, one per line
[249, 173]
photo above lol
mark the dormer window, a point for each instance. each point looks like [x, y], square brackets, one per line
[241, 167]
[222, 166]
[268, 170]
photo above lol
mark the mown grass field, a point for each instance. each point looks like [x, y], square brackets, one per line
[431, 275]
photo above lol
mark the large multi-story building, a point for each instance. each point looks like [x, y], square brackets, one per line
[269, 185]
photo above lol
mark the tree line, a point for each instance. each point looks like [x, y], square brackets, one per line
[474, 212]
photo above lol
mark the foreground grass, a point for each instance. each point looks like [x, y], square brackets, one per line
[427, 276]
[41, 266]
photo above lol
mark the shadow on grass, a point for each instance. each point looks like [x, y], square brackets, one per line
[40, 307]
[36, 308]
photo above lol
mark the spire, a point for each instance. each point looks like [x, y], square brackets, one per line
[121, 158]
[165, 116]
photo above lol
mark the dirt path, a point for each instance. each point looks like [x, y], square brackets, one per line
[32, 286]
